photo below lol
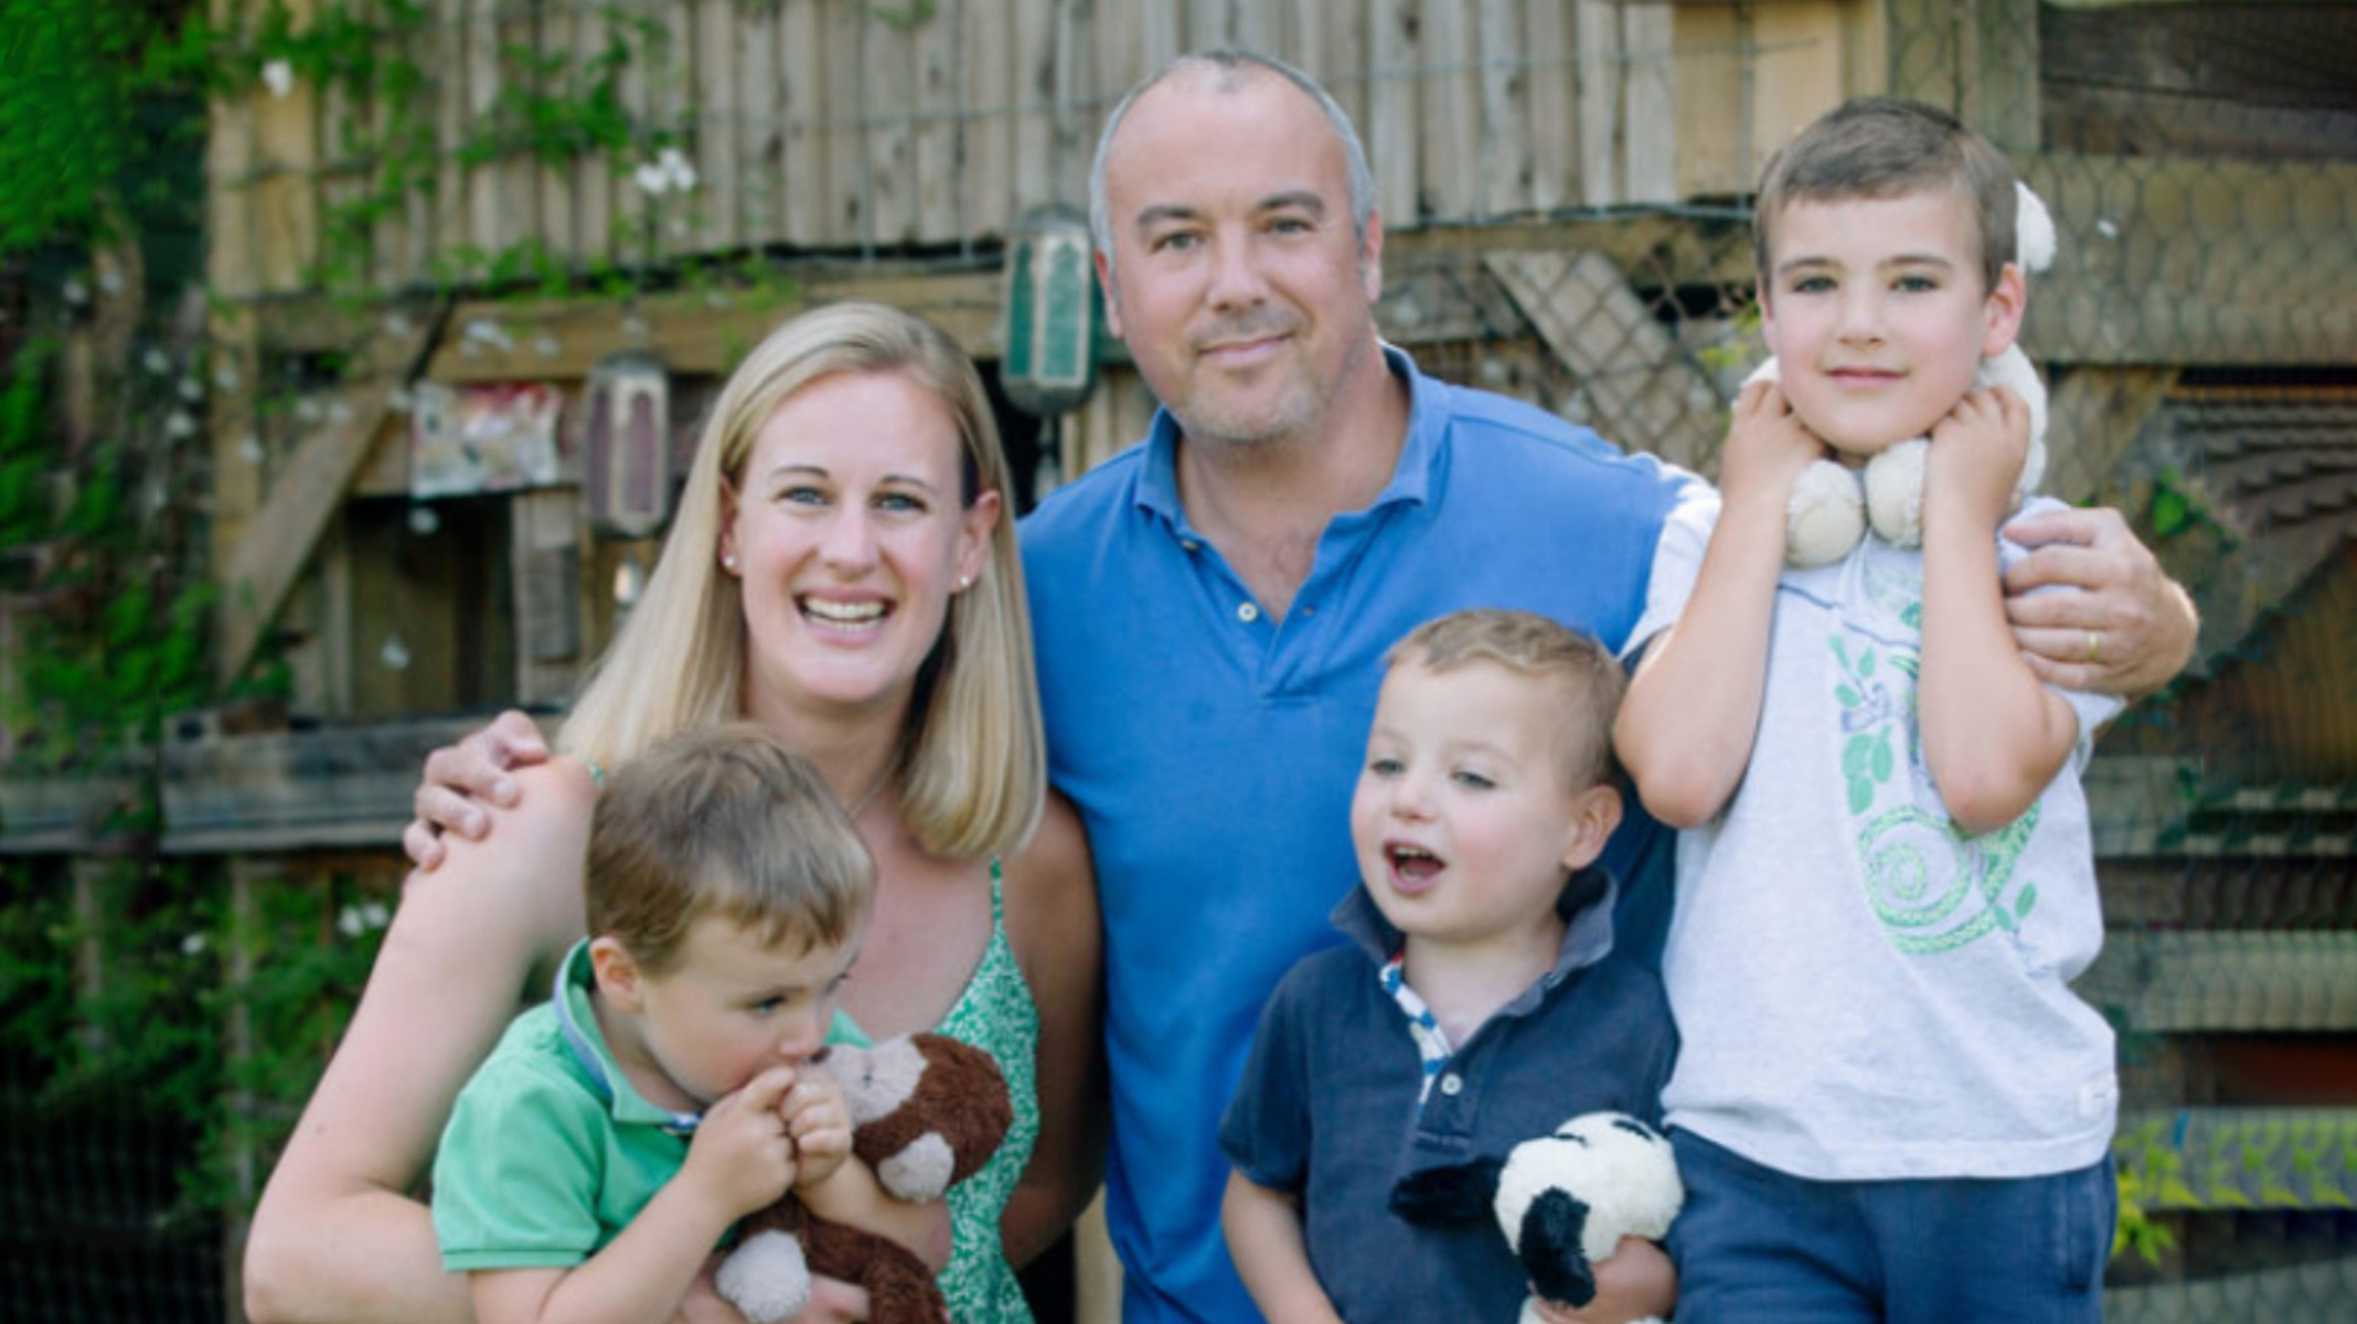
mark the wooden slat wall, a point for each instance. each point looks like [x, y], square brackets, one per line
[857, 127]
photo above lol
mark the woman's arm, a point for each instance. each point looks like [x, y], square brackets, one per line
[1051, 899]
[337, 1235]
[1263, 1229]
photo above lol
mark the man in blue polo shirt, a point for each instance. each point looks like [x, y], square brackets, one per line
[1212, 608]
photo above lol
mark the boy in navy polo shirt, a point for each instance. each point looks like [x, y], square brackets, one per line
[1479, 1004]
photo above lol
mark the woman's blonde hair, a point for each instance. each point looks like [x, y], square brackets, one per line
[972, 766]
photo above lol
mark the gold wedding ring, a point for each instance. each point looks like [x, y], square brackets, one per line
[2094, 647]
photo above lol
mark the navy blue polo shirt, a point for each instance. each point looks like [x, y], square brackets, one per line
[1211, 751]
[1327, 1107]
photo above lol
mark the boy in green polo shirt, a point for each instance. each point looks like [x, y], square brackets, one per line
[618, 1130]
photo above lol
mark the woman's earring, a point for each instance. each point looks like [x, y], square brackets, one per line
[965, 582]
[728, 562]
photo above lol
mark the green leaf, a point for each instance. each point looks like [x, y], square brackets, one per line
[1883, 761]
[2171, 512]
[1861, 795]
[1849, 697]
[2027, 899]
[1857, 756]
[1866, 664]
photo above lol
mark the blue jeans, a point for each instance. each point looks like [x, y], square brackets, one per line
[1757, 1246]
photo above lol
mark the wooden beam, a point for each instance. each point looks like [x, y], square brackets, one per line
[1646, 394]
[541, 339]
[278, 541]
[2093, 418]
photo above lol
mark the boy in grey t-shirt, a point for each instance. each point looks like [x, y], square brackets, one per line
[1888, 1104]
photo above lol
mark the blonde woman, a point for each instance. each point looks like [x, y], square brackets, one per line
[842, 571]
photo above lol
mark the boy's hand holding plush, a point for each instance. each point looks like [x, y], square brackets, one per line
[922, 1112]
[1768, 447]
[742, 1157]
[819, 1123]
[1977, 453]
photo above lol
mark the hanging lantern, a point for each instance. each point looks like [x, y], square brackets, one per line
[626, 445]
[1053, 311]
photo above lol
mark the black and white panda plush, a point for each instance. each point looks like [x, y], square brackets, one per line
[1564, 1200]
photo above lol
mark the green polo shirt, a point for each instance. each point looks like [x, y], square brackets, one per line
[539, 1167]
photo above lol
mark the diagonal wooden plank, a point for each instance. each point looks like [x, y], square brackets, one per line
[278, 540]
[1647, 395]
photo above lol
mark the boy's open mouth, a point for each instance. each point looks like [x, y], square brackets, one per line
[1411, 864]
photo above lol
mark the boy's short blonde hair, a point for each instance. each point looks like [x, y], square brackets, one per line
[1881, 147]
[1531, 645]
[722, 821]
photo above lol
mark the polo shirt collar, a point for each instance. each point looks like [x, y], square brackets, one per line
[577, 1021]
[1586, 905]
[1411, 479]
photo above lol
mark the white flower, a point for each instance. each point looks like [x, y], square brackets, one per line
[545, 346]
[423, 521]
[399, 400]
[156, 361]
[339, 411]
[2106, 227]
[279, 76]
[110, 277]
[191, 390]
[375, 915]
[179, 427]
[488, 332]
[397, 326]
[308, 410]
[225, 377]
[250, 449]
[669, 172]
[395, 654]
[193, 944]
[75, 291]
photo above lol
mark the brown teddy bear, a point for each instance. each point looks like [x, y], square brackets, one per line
[926, 1111]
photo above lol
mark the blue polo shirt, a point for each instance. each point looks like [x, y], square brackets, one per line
[1327, 1109]
[1211, 751]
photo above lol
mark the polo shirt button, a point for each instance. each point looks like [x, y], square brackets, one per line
[1452, 1084]
[1190, 544]
[1247, 612]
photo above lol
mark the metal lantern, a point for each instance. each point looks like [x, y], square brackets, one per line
[626, 445]
[1053, 312]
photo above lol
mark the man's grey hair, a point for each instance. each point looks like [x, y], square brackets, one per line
[1229, 63]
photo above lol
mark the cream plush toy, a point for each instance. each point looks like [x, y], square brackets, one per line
[1831, 506]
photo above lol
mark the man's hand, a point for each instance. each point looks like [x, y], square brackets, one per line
[460, 779]
[1977, 451]
[1767, 446]
[820, 1123]
[741, 1157]
[2127, 633]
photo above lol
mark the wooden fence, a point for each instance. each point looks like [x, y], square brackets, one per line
[848, 125]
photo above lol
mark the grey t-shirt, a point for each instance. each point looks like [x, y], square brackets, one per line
[1860, 991]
